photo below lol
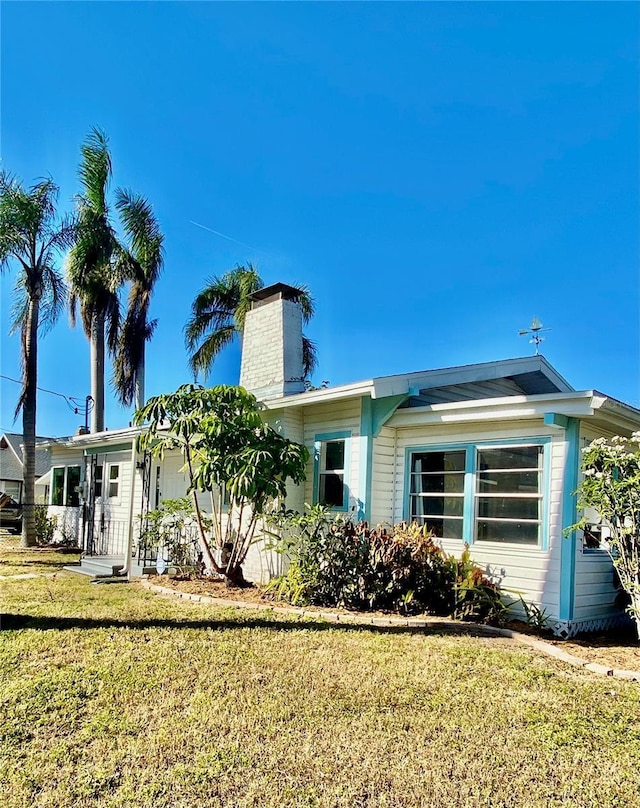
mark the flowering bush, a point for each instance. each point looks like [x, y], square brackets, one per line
[611, 486]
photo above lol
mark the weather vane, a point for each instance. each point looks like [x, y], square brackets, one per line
[534, 329]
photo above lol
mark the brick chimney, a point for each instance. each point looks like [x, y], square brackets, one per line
[272, 343]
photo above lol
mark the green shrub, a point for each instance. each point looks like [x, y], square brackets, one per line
[334, 562]
[45, 525]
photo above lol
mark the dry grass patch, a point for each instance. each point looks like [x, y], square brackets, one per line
[110, 696]
[15, 560]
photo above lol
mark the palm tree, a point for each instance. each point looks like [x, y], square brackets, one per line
[32, 235]
[92, 267]
[141, 263]
[218, 314]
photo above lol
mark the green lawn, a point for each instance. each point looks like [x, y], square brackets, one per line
[113, 696]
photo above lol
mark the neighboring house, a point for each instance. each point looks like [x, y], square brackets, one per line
[485, 454]
[12, 470]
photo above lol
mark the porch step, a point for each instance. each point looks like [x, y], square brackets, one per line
[98, 566]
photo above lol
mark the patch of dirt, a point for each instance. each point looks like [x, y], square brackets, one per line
[617, 648]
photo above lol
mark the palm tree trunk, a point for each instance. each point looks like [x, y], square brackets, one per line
[30, 359]
[140, 402]
[97, 372]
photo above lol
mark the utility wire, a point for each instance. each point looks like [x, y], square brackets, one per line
[76, 401]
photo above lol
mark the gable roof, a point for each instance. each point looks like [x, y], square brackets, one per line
[530, 375]
[11, 457]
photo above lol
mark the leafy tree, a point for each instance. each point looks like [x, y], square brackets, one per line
[218, 314]
[92, 266]
[141, 261]
[611, 486]
[229, 452]
[32, 236]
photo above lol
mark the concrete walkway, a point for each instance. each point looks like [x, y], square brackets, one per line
[362, 619]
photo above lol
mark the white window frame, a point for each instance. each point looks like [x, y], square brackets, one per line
[319, 465]
[65, 486]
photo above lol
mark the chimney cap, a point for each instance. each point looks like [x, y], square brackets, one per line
[276, 291]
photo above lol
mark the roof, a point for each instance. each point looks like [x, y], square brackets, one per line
[529, 375]
[11, 456]
[274, 292]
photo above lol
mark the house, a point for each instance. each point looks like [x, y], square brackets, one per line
[485, 454]
[12, 467]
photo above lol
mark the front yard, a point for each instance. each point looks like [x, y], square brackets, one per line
[113, 696]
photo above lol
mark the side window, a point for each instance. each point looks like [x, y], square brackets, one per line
[57, 486]
[331, 459]
[97, 480]
[509, 494]
[114, 481]
[73, 482]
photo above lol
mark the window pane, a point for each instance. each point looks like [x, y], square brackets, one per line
[73, 481]
[443, 528]
[452, 483]
[57, 487]
[508, 508]
[518, 532]
[331, 490]
[113, 489]
[438, 461]
[514, 457]
[98, 481]
[334, 455]
[440, 506]
[508, 482]
[114, 472]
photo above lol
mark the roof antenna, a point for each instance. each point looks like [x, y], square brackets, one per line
[535, 328]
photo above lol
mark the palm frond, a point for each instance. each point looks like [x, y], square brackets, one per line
[95, 170]
[202, 358]
[309, 357]
[307, 303]
[144, 236]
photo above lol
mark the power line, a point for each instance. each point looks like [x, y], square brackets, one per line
[73, 402]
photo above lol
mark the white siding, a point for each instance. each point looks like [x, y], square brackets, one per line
[594, 590]
[384, 480]
[530, 571]
[303, 425]
[335, 416]
[67, 518]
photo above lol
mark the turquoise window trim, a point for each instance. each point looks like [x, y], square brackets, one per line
[367, 432]
[569, 517]
[318, 440]
[471, 450]
[469, 468]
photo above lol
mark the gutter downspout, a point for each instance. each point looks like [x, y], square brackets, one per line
[126, 569]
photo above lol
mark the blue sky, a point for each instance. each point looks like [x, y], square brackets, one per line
[436, 173]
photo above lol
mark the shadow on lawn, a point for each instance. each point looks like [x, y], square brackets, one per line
[14, 622]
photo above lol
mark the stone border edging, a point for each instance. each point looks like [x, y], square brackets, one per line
[362, 619]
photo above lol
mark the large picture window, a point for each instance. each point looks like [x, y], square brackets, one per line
[479, 493]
